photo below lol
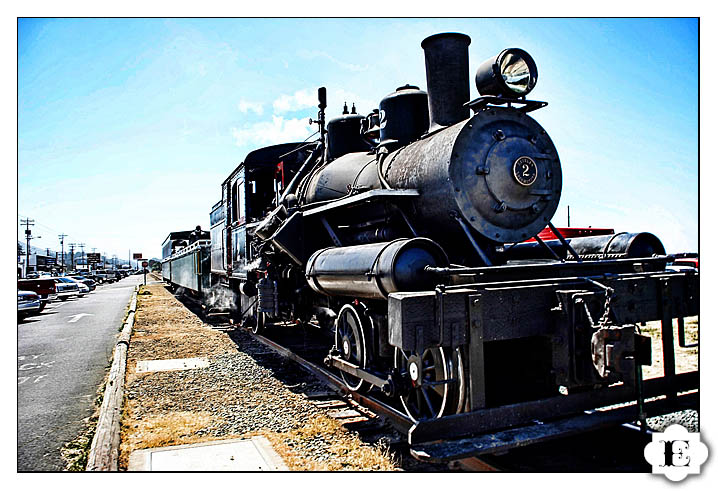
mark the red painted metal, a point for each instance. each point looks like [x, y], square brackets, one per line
[569, 232]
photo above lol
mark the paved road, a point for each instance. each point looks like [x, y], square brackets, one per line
[63, 354]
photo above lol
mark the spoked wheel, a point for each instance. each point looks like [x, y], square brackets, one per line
[437, 382]
[350, 341]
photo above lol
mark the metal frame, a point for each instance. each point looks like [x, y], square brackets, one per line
[554, 308]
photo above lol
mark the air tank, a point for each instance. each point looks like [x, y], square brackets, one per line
[375, 270]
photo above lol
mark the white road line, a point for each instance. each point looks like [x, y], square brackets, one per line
[75, 318]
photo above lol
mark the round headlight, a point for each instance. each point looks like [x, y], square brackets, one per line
[512, 73]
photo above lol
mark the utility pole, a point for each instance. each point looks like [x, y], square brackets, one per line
[28, 223]
[568, 215]
[82, 247]
[72, 256]
[62, 244]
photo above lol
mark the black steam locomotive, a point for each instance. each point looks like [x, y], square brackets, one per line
[418, 236]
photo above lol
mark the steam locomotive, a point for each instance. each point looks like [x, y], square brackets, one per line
[420, 236]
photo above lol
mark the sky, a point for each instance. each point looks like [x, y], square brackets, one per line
[126, 128]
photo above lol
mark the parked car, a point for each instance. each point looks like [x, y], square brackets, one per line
[86, 281]
[44, 287]
[83, 288]
[93, 277]
[28, 303]
[106, 276]
[66, 287]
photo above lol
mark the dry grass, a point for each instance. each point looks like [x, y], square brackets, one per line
[686, 358]
[161, 430]
[345, 450]
[165, 329]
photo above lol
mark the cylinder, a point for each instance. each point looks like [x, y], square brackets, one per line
[375, 270]
[447, 77]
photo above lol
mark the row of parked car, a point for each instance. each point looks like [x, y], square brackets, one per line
[33, 294]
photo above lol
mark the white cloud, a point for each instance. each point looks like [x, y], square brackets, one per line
[278, 130]
[301, 99]
[255, 107]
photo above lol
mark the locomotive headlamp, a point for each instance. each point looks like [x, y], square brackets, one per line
[512, 73]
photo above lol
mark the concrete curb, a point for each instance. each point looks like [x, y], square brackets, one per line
[105, 449]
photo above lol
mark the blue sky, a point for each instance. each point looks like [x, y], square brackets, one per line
[127, 127]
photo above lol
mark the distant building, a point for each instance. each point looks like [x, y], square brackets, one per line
[38, 263]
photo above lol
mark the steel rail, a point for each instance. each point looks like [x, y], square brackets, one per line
[397, 419]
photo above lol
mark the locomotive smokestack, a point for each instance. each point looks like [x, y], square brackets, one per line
[447, 77]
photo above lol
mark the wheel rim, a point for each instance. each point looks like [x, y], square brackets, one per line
[459, 389]
[428, 400]
[349, 340]
[260, 319]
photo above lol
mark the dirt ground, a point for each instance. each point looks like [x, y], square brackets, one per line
[172, 408]
[686, 358]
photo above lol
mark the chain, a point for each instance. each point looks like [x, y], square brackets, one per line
[604, 320]
[606, 308]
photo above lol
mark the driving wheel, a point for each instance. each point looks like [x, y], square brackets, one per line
[349, 339]
[436, 382]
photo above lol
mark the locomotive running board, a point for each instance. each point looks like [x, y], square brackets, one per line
[490, 443]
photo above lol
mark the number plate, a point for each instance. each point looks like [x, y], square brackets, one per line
[525, 171]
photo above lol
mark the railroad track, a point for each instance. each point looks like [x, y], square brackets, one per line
[618, 449]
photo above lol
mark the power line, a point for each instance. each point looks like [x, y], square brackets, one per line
[46, 227]
[78, 242]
